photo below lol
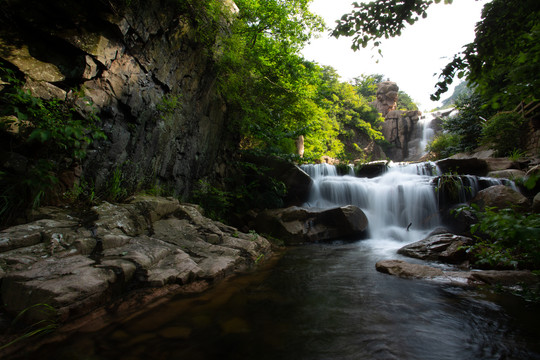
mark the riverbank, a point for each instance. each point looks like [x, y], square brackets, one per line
[116, 258]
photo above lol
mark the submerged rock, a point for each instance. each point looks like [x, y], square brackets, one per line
[507, 278]
[150, 242]
[296, 225]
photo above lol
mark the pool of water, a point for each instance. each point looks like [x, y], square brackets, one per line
[321, 301]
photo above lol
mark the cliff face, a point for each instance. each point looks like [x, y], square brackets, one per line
[148, 75]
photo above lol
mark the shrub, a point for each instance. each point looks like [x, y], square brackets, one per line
[444, 145]
[503, 132]
[505, 238]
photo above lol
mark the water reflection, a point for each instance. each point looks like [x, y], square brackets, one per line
[322, 302]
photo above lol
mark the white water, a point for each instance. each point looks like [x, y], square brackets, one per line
[401, 205]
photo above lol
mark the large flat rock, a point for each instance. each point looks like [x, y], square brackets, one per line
[151, 242]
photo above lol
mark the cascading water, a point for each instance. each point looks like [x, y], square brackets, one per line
[401, 205]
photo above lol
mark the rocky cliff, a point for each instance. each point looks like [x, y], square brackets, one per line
[144, 68]
[399, 126]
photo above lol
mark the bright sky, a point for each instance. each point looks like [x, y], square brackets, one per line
[412, 60]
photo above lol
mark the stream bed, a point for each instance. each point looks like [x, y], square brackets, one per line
[322, 301]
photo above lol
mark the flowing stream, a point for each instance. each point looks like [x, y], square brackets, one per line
[327, 301]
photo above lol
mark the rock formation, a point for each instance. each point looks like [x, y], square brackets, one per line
[399, 126]
[296, 225]
[145, 73]
[78, 263]
[387, 96]
[398, 129]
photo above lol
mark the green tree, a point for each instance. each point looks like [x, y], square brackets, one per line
[502, 61]
[268, 86]
[366, 85]
[405, 102]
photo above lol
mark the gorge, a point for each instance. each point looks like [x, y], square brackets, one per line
[115, 118]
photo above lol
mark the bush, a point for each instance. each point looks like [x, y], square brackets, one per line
[503, 132]
[505, 238]
[444, 145]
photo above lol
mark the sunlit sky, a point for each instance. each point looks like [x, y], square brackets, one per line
[413, 60]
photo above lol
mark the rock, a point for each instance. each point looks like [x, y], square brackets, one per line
[536, 203]
[68, 284]
[511, 174]
[150, 242]
[372, 169]
[296, 225]
[128, 60]
[466, 166]
[399, 129]
[441, 247]
[505, 277]
[297, 181]
[500, 196]
[498, 164]
[387, 96]
[508, 278]
[407, 270]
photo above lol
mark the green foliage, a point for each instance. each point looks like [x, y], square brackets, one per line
[215, 202]
[502, 62]
[116, 190]
[46, 132]
[468, 122]
[405, 102]
[506, 238]
[444, 145]
[366, 85]
[51, 123]
[461, 91]
[251, 187]
[41, 327]
[503, 132]
[168, 105]
[19, 192]
[371, 21]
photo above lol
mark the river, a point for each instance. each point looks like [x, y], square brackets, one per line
[327, 301]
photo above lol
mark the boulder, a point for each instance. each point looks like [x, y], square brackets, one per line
[387, 96]
[371, 169]
[404, 269]
[498, 164]
[507, 174]
[296, 225]
[500, 196]
[463, 166]
[536, 203]
[440, 247]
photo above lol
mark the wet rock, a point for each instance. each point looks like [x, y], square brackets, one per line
[463, 166]
[372, 169]
[500, 196]
[507, 278]
[404, 269]
[440, 247]
[296, 225]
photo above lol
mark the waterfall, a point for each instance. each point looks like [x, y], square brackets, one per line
[427, 132]
[400, 205]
